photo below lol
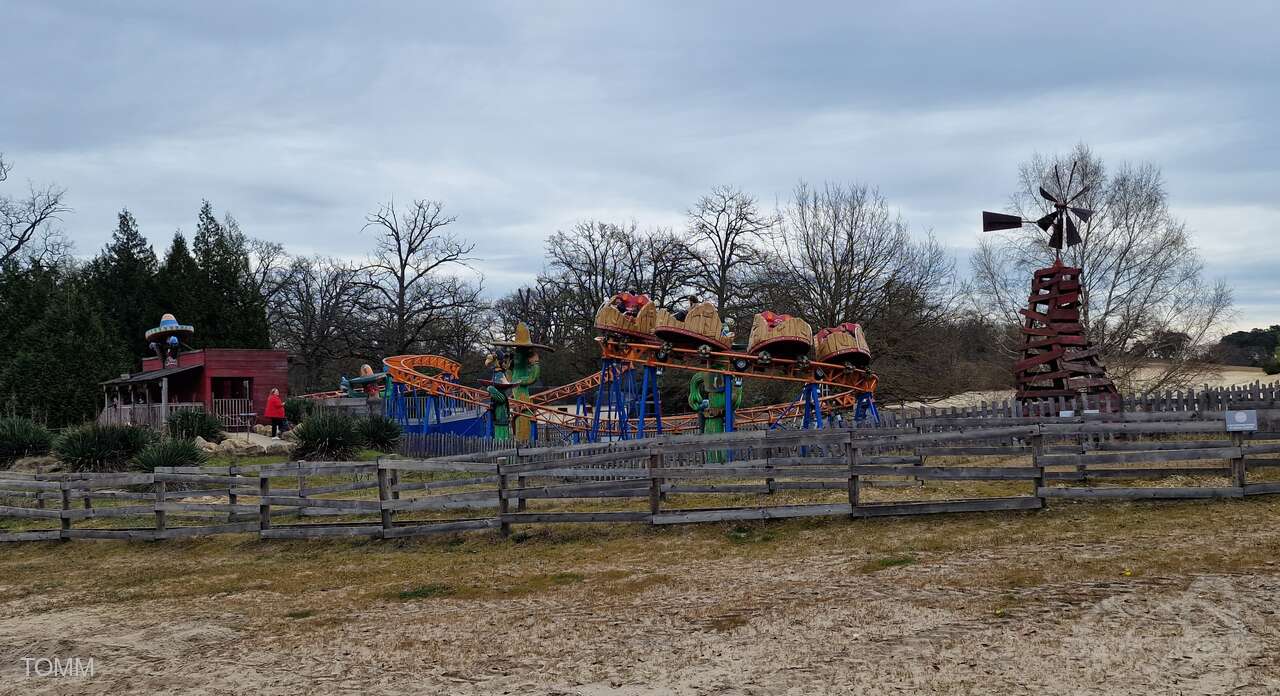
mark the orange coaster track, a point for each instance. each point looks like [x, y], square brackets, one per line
[845, 383]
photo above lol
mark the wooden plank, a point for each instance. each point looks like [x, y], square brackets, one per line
[88, 481]
[200, 478]
[121, 511]
[558, 517]
[209, 530]
[1001, 451]
[561, 463]
[1160, 445]
[308, 531]
[1161, 427]
[952, 473]
[443, 502]
[437, 465]
[317, 469]
[760, 513]
[29, 485]
[12, 511]
[762, 472]
[337, 488]
[675, 488]
[588, 473]
[447, 483]
[1149, 473]
[440, 527]
[1261, 488]
[32, 535]
[1139, 457]
[582, 490]
[1262, 448]
[207, 507]
[130, 534]
[1140, 493]
[335, 503]
[949, 506]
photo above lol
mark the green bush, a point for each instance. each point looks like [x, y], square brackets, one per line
[327, 434]
[169, 452]
[96, 447]
[20, 438]
[296, 409]
[379, 433]
[188, 425]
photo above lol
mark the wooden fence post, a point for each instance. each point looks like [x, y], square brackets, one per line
[1239, 466]
[264, 507]
[161, 515]
[384, 496]
[504, 527]
[232, 470]
[655, 481]
[855, 481]
[1037, 451]
[66, 507]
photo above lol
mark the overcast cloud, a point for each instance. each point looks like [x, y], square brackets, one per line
[523, 118]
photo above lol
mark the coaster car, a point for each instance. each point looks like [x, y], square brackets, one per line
[699, 326]
[843, 344]
[628, 314]
[779, 336]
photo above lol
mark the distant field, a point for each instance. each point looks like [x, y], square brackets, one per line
[1228, 375]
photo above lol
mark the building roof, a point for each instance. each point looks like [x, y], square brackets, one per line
[154, 375]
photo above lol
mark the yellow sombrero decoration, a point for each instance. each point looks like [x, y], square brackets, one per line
[522, 340]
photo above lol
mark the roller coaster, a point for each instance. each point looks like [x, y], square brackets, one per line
[638, 347]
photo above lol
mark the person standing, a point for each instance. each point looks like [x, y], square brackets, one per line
[275, 411]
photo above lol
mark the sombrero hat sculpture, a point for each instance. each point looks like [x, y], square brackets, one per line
[169, 328]
[522, 340]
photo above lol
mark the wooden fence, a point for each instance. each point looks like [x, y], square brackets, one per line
[667, 480]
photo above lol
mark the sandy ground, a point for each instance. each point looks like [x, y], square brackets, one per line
[796, 609]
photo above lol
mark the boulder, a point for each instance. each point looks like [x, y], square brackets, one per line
[278, 447]
[44, 463]
[205, 445]
[290, 435]
[262, 430]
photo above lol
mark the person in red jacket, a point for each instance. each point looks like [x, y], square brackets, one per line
[275, 411]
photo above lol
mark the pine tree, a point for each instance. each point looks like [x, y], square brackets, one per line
[61, 359]
[233, 313]
[179, 284]
[123, 280]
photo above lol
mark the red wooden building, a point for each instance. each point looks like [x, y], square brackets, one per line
[230, 383]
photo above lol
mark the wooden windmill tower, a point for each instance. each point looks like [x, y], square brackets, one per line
[1058, 363]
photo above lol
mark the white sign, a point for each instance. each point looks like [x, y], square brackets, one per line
[1242, 421]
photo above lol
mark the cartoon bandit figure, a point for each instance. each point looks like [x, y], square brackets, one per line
[522, 370]
[498, 390]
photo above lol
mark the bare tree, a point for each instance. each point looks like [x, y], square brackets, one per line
[269, 267]
[411, 278]
[316, 316]
[1143, 278]
[26, 232]
[725, 229]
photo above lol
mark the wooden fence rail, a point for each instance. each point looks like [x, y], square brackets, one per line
[652, 481]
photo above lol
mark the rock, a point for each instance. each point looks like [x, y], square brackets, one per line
[290, 435]
[43, 463]
[205, 445]
[228, 445]
[262, 430]
[278, 447]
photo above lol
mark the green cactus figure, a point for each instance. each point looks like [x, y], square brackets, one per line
[706, 396]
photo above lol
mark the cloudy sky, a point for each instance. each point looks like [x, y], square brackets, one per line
[523, 118]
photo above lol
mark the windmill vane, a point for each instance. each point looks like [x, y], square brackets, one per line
[1061, 222]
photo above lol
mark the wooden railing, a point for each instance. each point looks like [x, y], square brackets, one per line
[148, 415]
[232, 413]
[668, 480]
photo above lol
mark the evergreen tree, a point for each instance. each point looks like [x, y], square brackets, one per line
[123, 280]
[60, 360]
[179, 284]
[233, 312]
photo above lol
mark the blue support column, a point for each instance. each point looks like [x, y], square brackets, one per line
[644, 398]
[728, 403]
[593, 435]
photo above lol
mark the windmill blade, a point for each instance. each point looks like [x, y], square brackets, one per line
[1080, 193]
[1049, 197]
[1055, 239]
[1083, 213]
[1046, 222]
[999, 221]
[1073, 234]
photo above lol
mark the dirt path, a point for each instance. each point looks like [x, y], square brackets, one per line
[685, 614]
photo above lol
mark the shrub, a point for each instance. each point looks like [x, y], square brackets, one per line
[188, 425]
[96, 447]
[327, 435]
[169, 452]
[296, 409]
[20, 438]
[379, 433]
